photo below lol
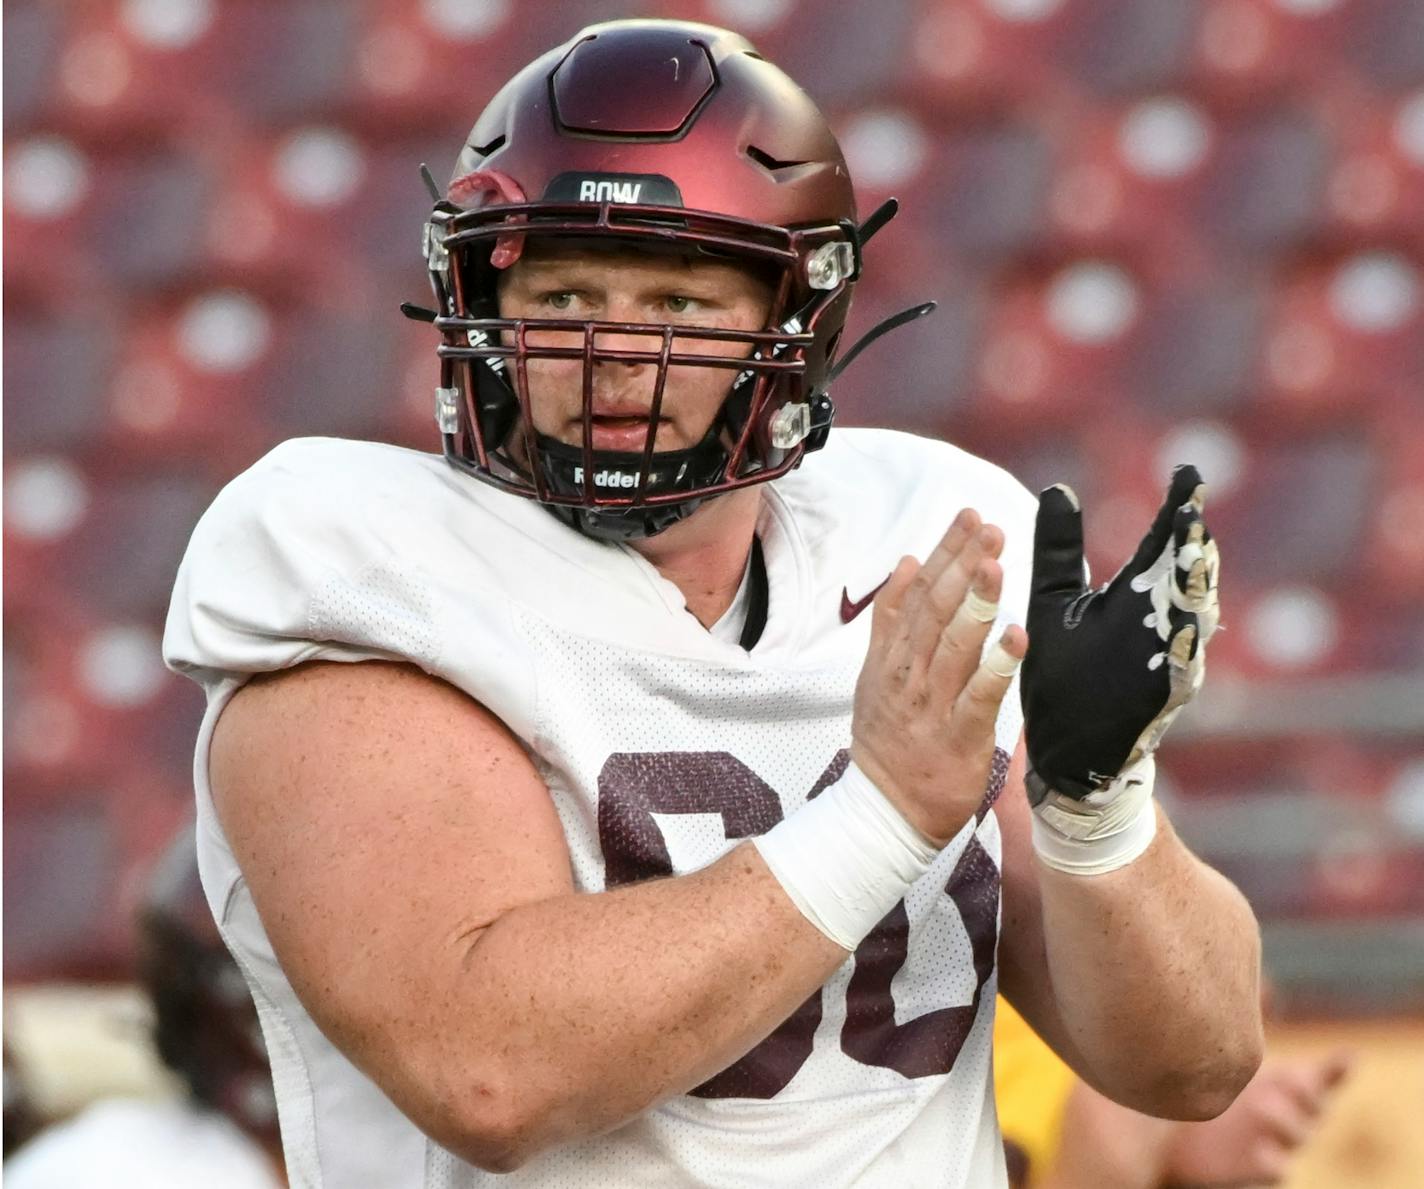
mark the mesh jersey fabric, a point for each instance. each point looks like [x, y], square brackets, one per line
[662, 745]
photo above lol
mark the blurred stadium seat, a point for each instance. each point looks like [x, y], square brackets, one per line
[1394, 556]
[1384, 44]
[190, 379]
[73, 855]
[192, 68]
[56, 377]
[1375, 189]
[829, 46]
[971, 54]
[102, 217]
[1055, 345]
[1256, 48]
[1267, 189]
[34, 34]
[1343, 335]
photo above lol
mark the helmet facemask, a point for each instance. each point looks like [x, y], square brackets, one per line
[773, 411]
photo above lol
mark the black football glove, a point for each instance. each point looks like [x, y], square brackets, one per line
[1107, 670]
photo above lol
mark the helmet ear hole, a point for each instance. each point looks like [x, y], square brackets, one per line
[496, 405]
[493, 399]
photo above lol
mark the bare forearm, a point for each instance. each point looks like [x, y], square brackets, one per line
[591, 1008]
[1156, 974]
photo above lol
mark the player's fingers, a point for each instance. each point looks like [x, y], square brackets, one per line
[977, 707]
[948, 590]
[1058, 543]
[1281, 1118]
[885, 611]
[1198, 573]
[1269, 1164]
[1194, 555]
[1309, 1087]
[1336, 1068]
[940, 603]
[950, 553]
[1185, 487]
[961, 641]
[1182, 647]
[959, 533]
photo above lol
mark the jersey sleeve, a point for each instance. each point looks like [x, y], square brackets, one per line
[316, 554]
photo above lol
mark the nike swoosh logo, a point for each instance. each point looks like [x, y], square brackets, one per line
[850, 610]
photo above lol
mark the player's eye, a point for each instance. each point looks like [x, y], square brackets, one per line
[559, 300]
[679, 303]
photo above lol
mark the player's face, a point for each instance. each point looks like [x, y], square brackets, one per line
[552, 281]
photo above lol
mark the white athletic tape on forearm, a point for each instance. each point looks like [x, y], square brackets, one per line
[846, 858]
[1106, 830]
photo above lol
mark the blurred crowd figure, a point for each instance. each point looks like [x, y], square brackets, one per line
[22, 1121]
[221, 1131]
[1059, 1133]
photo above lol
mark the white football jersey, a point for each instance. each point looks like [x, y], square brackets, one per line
[663, 745]
[130, 1143]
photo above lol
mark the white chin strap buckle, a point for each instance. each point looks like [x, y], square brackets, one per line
[447, 410]
[830, 264]
[790, 426]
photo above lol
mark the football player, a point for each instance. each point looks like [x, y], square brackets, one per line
[220, 1131]
[572, 814]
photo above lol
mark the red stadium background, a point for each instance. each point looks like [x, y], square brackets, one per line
[1157, 231]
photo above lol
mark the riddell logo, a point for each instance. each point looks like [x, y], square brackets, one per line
[609, 478]
[590, 191]
[478, 338]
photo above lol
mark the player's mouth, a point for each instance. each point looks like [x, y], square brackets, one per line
[618, 429]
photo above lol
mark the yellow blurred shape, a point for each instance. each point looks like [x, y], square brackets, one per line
[1372, 1135]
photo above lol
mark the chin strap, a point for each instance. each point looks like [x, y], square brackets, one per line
[617, 471]
[882, 214]
[877, 219]
[894, 322]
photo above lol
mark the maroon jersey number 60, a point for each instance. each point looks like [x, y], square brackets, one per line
[633, 786]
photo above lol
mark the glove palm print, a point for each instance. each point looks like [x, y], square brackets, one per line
[1108, 669]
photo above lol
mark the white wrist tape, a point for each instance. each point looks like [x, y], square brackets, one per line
[846, 858]
[1105, 830]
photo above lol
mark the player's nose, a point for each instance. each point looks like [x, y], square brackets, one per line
[627, 348]
[624, 386]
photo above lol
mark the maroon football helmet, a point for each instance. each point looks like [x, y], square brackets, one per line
[664, 136]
